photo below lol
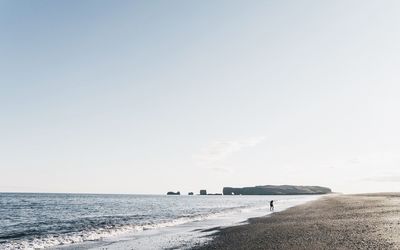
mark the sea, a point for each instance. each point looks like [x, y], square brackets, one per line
[122, 221]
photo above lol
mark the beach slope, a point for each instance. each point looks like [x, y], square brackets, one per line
[368, 221]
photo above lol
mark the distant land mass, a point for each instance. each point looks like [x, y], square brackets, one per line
[276, 190]
[174, 193]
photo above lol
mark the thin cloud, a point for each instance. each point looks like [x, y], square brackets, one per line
[221, 169]
[385, 178]
[220, 150]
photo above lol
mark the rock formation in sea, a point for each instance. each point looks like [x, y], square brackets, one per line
[276, 190]
[173, 193]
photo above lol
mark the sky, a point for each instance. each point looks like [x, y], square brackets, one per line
[146, 97]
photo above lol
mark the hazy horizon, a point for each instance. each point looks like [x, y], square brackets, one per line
[147, 97]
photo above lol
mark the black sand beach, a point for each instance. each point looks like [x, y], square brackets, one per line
[367, 221]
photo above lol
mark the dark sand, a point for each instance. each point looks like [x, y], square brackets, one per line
[368, 221]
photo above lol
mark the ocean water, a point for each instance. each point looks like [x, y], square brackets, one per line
[85, 221]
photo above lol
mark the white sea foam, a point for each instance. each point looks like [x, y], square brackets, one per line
[229, 209]
[191, 234]
[103, 233]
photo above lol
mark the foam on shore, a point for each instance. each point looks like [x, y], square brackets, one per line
[195, 233]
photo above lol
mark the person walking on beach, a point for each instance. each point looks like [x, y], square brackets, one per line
[271, 205]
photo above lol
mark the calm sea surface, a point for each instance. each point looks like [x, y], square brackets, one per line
[29, 221]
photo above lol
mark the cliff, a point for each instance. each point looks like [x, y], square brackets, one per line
[276, 190]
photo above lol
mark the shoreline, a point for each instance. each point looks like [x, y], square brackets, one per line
[196, 233]
[124, 223]
[359, 221]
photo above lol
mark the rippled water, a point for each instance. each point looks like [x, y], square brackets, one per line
[45, 220]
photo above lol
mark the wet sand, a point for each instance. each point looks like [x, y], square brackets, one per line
[367, 221]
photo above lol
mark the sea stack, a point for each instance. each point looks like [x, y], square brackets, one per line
[173, 193]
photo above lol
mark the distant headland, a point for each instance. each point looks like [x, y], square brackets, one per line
[276, 190]
[266, 190]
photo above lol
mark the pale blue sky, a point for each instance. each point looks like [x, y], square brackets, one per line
[153, 96]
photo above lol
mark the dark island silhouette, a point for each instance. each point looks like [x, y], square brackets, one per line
[174, 193]
[276, 190]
